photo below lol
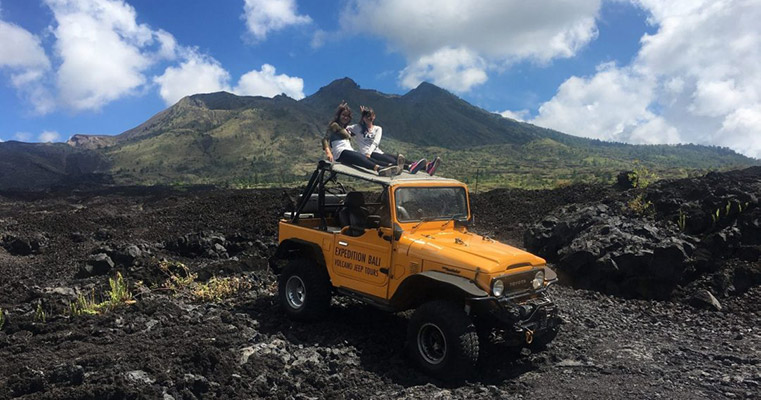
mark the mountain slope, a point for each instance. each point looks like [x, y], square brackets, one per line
[221, 138]
[42, 165]
[216, 137]
[426, 116]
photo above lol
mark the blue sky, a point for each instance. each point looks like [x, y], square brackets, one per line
[638, 71]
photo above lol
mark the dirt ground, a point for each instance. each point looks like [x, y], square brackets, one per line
[171, 344]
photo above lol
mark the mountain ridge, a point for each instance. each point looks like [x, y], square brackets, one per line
[222, 138]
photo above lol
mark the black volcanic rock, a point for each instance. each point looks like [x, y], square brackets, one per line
[651, 253]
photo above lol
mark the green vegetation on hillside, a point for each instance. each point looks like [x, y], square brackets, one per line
[235, 141]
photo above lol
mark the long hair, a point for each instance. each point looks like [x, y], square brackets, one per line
[366, 112]
[344, 106]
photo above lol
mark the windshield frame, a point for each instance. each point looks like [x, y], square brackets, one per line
[426, 219]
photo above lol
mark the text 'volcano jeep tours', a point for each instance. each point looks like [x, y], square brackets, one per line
[408, 247]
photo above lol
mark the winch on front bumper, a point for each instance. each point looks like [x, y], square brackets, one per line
[523, 318]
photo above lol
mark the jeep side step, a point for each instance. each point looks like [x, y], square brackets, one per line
[377, 302]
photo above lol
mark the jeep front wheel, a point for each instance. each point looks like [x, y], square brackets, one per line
[442, 340]
[304, 290]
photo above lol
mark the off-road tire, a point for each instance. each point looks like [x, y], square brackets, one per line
[442, 340]
[304, 290]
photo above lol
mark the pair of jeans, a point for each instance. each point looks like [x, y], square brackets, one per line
[351, 157]
[383, 159]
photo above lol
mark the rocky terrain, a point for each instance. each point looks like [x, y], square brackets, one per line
[658, 298]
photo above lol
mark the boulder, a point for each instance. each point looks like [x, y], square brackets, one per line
[98, 264]
[24, 246]
[705, 300]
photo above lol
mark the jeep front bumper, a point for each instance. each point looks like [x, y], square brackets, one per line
[523, 318]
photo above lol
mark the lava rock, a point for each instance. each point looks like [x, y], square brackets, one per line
[706, 300]
[98, 264]
[24, 246]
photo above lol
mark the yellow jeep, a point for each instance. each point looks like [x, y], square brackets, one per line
[402, 243]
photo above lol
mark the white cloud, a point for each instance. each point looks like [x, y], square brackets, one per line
[740, 131]
[104, 52]
[48, 136]
[22, 54]
[318, 39]
[23, 136]
[167, 45]
[197, 74]
[607, 106]
[696, 79]
[20, 49]
[264, 16]
[498, 31]
[266, 83]
[520, 115]
[455, 69]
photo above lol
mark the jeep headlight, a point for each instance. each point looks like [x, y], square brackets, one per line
[538, 280]
[498, 288]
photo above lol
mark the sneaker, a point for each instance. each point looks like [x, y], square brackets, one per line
[387, 171]
[418, 165]
[431, 167]
[400, 160]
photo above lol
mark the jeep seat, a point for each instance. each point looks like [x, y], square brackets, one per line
[353, 214]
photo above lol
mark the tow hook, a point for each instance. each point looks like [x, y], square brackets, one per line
[529, 336]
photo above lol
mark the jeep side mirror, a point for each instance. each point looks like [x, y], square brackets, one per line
[397, 232]
[373, 221]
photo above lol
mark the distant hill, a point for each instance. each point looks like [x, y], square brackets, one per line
[26, 166]
[221, 138]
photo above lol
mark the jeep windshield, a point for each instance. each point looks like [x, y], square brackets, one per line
[414, 204]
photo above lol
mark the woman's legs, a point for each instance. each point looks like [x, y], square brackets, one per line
[351, 157]
[383, 159]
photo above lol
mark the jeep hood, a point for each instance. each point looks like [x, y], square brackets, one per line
[468, 251]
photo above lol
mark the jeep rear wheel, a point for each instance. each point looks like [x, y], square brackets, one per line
[442, 340]
[304, 290]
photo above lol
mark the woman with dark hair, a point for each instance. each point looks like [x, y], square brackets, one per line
[337, 146]
[368, 136]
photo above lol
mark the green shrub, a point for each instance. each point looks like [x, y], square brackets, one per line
[640, 206]
[118, 295]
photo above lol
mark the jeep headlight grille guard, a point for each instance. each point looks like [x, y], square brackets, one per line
[518, 284]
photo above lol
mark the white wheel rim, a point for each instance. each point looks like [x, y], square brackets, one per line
[295, 292]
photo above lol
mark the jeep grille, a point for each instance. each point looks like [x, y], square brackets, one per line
[519, 283]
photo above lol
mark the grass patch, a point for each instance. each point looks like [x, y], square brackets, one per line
[181, 281]
[118, 295]
[218, 289]
[39, 313]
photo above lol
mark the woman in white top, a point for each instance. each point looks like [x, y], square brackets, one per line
[368, 136]
[337, 146]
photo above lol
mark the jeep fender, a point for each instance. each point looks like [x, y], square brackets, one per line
[296, 248]
[431, 285]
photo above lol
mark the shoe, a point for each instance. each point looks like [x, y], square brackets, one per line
[431, 167]
[388, 171]
[418, 165]
[400, 160]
